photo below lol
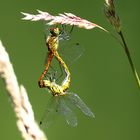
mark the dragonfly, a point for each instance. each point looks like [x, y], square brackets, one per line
[62, 100]
[63, 103]
[59, 36]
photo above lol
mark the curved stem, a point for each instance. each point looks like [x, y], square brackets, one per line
[129, 58]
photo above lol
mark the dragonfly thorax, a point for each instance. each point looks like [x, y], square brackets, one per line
[52, 43]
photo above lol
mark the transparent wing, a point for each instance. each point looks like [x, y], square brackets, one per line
[50, 113]
[70, 51]
[68, 114]
[74, 99]
[69, 47]
[57, 107]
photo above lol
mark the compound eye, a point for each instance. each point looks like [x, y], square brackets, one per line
[52, 30]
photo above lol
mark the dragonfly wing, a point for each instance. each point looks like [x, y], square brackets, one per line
[57, 107]
[77, 101]
[50, 113]
[70, 51]
[68, 114]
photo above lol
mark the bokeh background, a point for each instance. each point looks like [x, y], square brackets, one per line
[101, 77]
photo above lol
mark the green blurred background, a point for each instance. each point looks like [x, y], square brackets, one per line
[101, 77]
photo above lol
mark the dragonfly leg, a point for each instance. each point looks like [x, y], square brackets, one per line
[64, 33]
[50, 74]
[54, 74]
[71, 29]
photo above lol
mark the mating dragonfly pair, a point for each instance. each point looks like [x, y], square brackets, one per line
[62, 101]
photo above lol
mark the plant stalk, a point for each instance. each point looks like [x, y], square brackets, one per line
[129, 58]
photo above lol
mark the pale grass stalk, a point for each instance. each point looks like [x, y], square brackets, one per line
[25, 117]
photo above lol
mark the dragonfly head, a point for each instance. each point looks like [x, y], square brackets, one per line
[55, 31]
